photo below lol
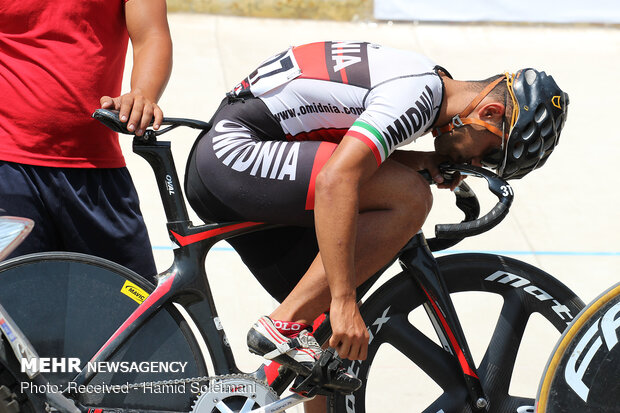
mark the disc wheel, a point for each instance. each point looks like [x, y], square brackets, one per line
[69, 304]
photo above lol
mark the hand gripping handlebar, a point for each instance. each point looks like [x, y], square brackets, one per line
[498, 186]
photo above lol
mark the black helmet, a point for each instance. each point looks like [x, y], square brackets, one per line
[539, 113]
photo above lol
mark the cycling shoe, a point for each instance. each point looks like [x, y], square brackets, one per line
[303, 355]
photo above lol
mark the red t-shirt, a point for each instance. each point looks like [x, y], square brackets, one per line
[57, 58]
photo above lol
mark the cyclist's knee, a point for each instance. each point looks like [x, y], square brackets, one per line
[426, 196]
[416, 203]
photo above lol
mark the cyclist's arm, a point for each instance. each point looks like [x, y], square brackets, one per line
[336, 211]
[147, 25]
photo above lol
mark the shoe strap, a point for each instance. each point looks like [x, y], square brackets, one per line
[283, 348]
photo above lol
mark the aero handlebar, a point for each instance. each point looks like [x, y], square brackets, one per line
[447, 235]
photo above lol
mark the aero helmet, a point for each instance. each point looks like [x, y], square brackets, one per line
[539, 107]
[538, 116]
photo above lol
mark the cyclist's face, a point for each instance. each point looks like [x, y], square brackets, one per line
[468, 144]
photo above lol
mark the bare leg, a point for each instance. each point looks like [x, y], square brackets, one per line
[393, 206]
[316, 405]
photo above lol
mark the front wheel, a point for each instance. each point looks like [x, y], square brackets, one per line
[525, 291]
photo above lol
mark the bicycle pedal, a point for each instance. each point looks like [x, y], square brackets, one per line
[305, 386]
[327, 376]
[328, 356]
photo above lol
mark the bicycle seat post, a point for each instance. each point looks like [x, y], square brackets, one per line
[159, 157]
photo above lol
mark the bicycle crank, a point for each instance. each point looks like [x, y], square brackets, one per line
[237, 393]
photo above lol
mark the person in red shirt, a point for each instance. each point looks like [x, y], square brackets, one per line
[60, 61]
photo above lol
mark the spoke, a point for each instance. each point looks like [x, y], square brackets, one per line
[498, 363]
[437, 363]
[247, 406]
[221, 406]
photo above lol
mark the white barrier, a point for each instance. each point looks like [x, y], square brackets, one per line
[531, 11]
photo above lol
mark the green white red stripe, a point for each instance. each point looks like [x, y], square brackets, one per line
[371, 137]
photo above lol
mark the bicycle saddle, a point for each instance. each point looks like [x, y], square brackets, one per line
[110, 119]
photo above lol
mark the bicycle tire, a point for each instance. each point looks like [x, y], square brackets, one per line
[583, 372]
[525, 290]
[62, 302]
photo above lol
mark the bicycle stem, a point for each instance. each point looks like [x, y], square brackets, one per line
[417, 259]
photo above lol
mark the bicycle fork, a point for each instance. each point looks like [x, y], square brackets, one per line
[417, 259]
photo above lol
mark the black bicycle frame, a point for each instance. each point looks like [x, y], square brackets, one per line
[186, 281]
[417, 260]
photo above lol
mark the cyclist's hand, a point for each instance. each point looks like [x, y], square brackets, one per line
[349, 334]
[431, 161]
[451, 183]
[135, 109]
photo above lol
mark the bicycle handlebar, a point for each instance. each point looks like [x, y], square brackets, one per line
[467, 202]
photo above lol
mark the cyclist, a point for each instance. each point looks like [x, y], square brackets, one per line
[57, 165]
[309, 140]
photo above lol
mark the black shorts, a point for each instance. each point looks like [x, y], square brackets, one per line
[87, 210]
[244, 169]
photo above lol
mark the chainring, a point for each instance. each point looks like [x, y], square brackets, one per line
[239, 393]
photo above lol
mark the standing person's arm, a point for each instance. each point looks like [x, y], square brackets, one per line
[147, 25]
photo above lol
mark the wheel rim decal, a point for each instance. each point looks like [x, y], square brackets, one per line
[570, 334]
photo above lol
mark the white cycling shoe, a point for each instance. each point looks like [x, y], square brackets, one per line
[301, 354]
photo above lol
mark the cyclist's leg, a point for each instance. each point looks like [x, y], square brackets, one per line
[393, 207]
[236, 172]
[278, 258]
[228, 186]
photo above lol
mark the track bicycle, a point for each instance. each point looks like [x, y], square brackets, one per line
[72, 312]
